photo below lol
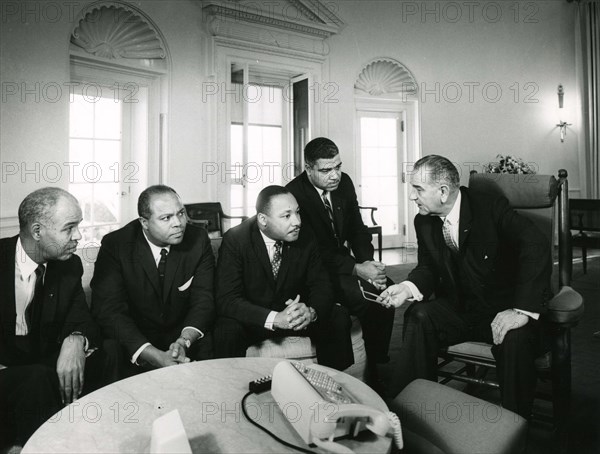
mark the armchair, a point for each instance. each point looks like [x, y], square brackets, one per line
[537, 197]
[210, 215]
[375, 229]
[585, 217]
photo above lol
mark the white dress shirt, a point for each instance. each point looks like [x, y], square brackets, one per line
[25, 279]
[270, 245]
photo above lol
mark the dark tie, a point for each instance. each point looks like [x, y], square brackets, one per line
[329, 209]
[276, 261]
[162, 266]
[448, 236]
[34, 308]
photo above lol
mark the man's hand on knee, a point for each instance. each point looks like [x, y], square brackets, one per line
[505, 321]
[70, 368]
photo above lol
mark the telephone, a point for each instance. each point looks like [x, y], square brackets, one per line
[320, 409]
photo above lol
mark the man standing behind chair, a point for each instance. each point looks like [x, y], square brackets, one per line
[271, 283]
[490, 270]
[329, 207]
[152, 288]
[46, 330]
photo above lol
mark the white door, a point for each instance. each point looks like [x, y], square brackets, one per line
[381, 153]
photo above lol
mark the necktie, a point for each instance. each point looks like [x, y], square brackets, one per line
[329, 209]
[34, 308]
[448, 236]
[276, 261]
[162, 266]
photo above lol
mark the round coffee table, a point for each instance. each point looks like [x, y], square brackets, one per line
[208, 394]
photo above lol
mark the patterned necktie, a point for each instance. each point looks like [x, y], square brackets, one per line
[34, 308]
[329, 209]
[276, 261]
[162, 267]
[448, 236]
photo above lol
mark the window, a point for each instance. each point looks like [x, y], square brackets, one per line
[380, 150]
[96, 154]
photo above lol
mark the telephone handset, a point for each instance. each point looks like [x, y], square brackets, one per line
[319, 408]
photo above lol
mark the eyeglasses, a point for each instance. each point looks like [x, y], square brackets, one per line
[368, 295]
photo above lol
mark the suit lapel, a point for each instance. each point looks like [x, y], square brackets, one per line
[286, 260]
[146, 260]
[173, 260]
[315, 198]
[51, 288]
[464, 222]
[260, 250]
[7, 307]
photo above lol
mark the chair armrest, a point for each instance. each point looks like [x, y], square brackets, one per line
[566, 307]
[373, 210]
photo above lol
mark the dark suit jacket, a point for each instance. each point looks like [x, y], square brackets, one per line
[126, 299]
[246, 288]
[64, 309]
[503, 260]
[349, 224]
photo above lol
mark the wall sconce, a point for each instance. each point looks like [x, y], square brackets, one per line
[562, 124]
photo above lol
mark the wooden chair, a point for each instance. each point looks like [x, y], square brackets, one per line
[537, 197]
[585, 217]
[375, 229]
[210, 215]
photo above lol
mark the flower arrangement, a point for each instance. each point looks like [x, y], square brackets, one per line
[508, 164]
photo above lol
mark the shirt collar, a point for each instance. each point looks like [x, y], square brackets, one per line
[268, 241]
[320, 191]
[454, 215]
[156, 249]
[25, 263]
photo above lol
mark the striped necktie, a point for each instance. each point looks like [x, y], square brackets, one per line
[329, 209]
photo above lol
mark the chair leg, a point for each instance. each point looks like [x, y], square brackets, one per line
[561, 384]
[379, 245]
[584, 258]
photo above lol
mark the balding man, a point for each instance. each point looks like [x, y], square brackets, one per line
[46, 331]
[489, 268]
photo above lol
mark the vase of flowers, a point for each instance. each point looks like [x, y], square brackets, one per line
[509, 164]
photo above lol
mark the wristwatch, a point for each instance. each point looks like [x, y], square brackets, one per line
[313, 314]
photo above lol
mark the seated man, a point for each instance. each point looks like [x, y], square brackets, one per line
[329, 207]
[47, 334]
[152, 288]
[490, 270]
[271, 283]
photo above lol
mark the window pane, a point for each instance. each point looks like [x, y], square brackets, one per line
[108, 157]
[81, 152]
[264, 105]
[81, 117]
[107, 119]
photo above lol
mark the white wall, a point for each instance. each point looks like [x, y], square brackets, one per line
[34, 50]
[441, 53]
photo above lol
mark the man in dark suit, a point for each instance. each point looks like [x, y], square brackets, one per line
[490, 271]
[329, 207]
[271, 283]
[46, 330]
[152, 288]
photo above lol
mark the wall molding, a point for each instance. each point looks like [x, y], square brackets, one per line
[385, 76]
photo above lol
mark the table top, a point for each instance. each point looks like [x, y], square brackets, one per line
[208, 394]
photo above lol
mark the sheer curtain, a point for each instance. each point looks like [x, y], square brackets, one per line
[588, 43]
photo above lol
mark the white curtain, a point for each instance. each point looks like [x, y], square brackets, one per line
[588, 43]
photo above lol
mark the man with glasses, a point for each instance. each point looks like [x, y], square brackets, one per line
[50, 349]
[152, 288]
[329, 207]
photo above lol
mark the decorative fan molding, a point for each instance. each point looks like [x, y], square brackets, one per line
[295, 25]
[384, 76]
[115, 30]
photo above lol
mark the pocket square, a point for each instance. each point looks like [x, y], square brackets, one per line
[185, 286]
